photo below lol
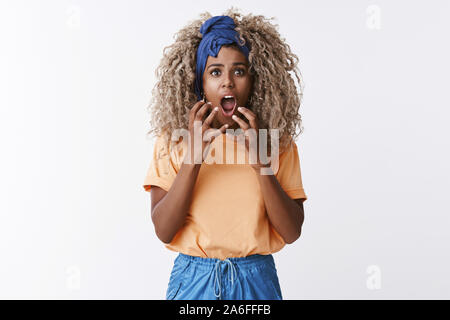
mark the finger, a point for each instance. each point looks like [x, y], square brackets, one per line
[240, 122]
[194, 110]
[250, 116]
[211, 133]
[224, 128]
[210, 118]
[220, 131]
[201, 113]
[205, 152]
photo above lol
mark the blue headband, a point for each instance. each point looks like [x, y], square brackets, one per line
[216, 31]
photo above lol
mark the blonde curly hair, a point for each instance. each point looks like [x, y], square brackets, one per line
[275, 98]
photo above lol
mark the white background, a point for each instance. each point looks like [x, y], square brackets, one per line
[75, 81]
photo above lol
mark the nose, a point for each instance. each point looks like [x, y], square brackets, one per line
[228, 81]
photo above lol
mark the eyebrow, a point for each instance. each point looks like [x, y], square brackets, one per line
[221, 65]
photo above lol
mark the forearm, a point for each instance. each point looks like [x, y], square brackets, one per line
[170, 213]
[285, 214]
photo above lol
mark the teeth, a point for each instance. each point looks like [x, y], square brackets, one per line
[228, 97]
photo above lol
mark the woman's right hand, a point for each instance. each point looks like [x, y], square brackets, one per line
[196, 125]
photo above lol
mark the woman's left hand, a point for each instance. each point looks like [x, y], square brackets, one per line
[253, 120]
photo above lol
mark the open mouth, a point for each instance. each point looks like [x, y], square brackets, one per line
[228, 105]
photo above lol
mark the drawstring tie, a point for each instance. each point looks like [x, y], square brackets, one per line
[232, 275]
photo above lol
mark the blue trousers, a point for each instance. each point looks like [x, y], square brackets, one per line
[248, 278]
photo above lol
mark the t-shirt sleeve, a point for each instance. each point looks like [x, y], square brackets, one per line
[163, 169]
[289, 175]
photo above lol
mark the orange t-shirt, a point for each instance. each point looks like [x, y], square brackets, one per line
[227, 217]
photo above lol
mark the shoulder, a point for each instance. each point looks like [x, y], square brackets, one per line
[287, 147]
[165, 146]
[165, 140]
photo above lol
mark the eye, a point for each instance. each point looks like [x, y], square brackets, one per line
[242, 71]
[212, 72]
